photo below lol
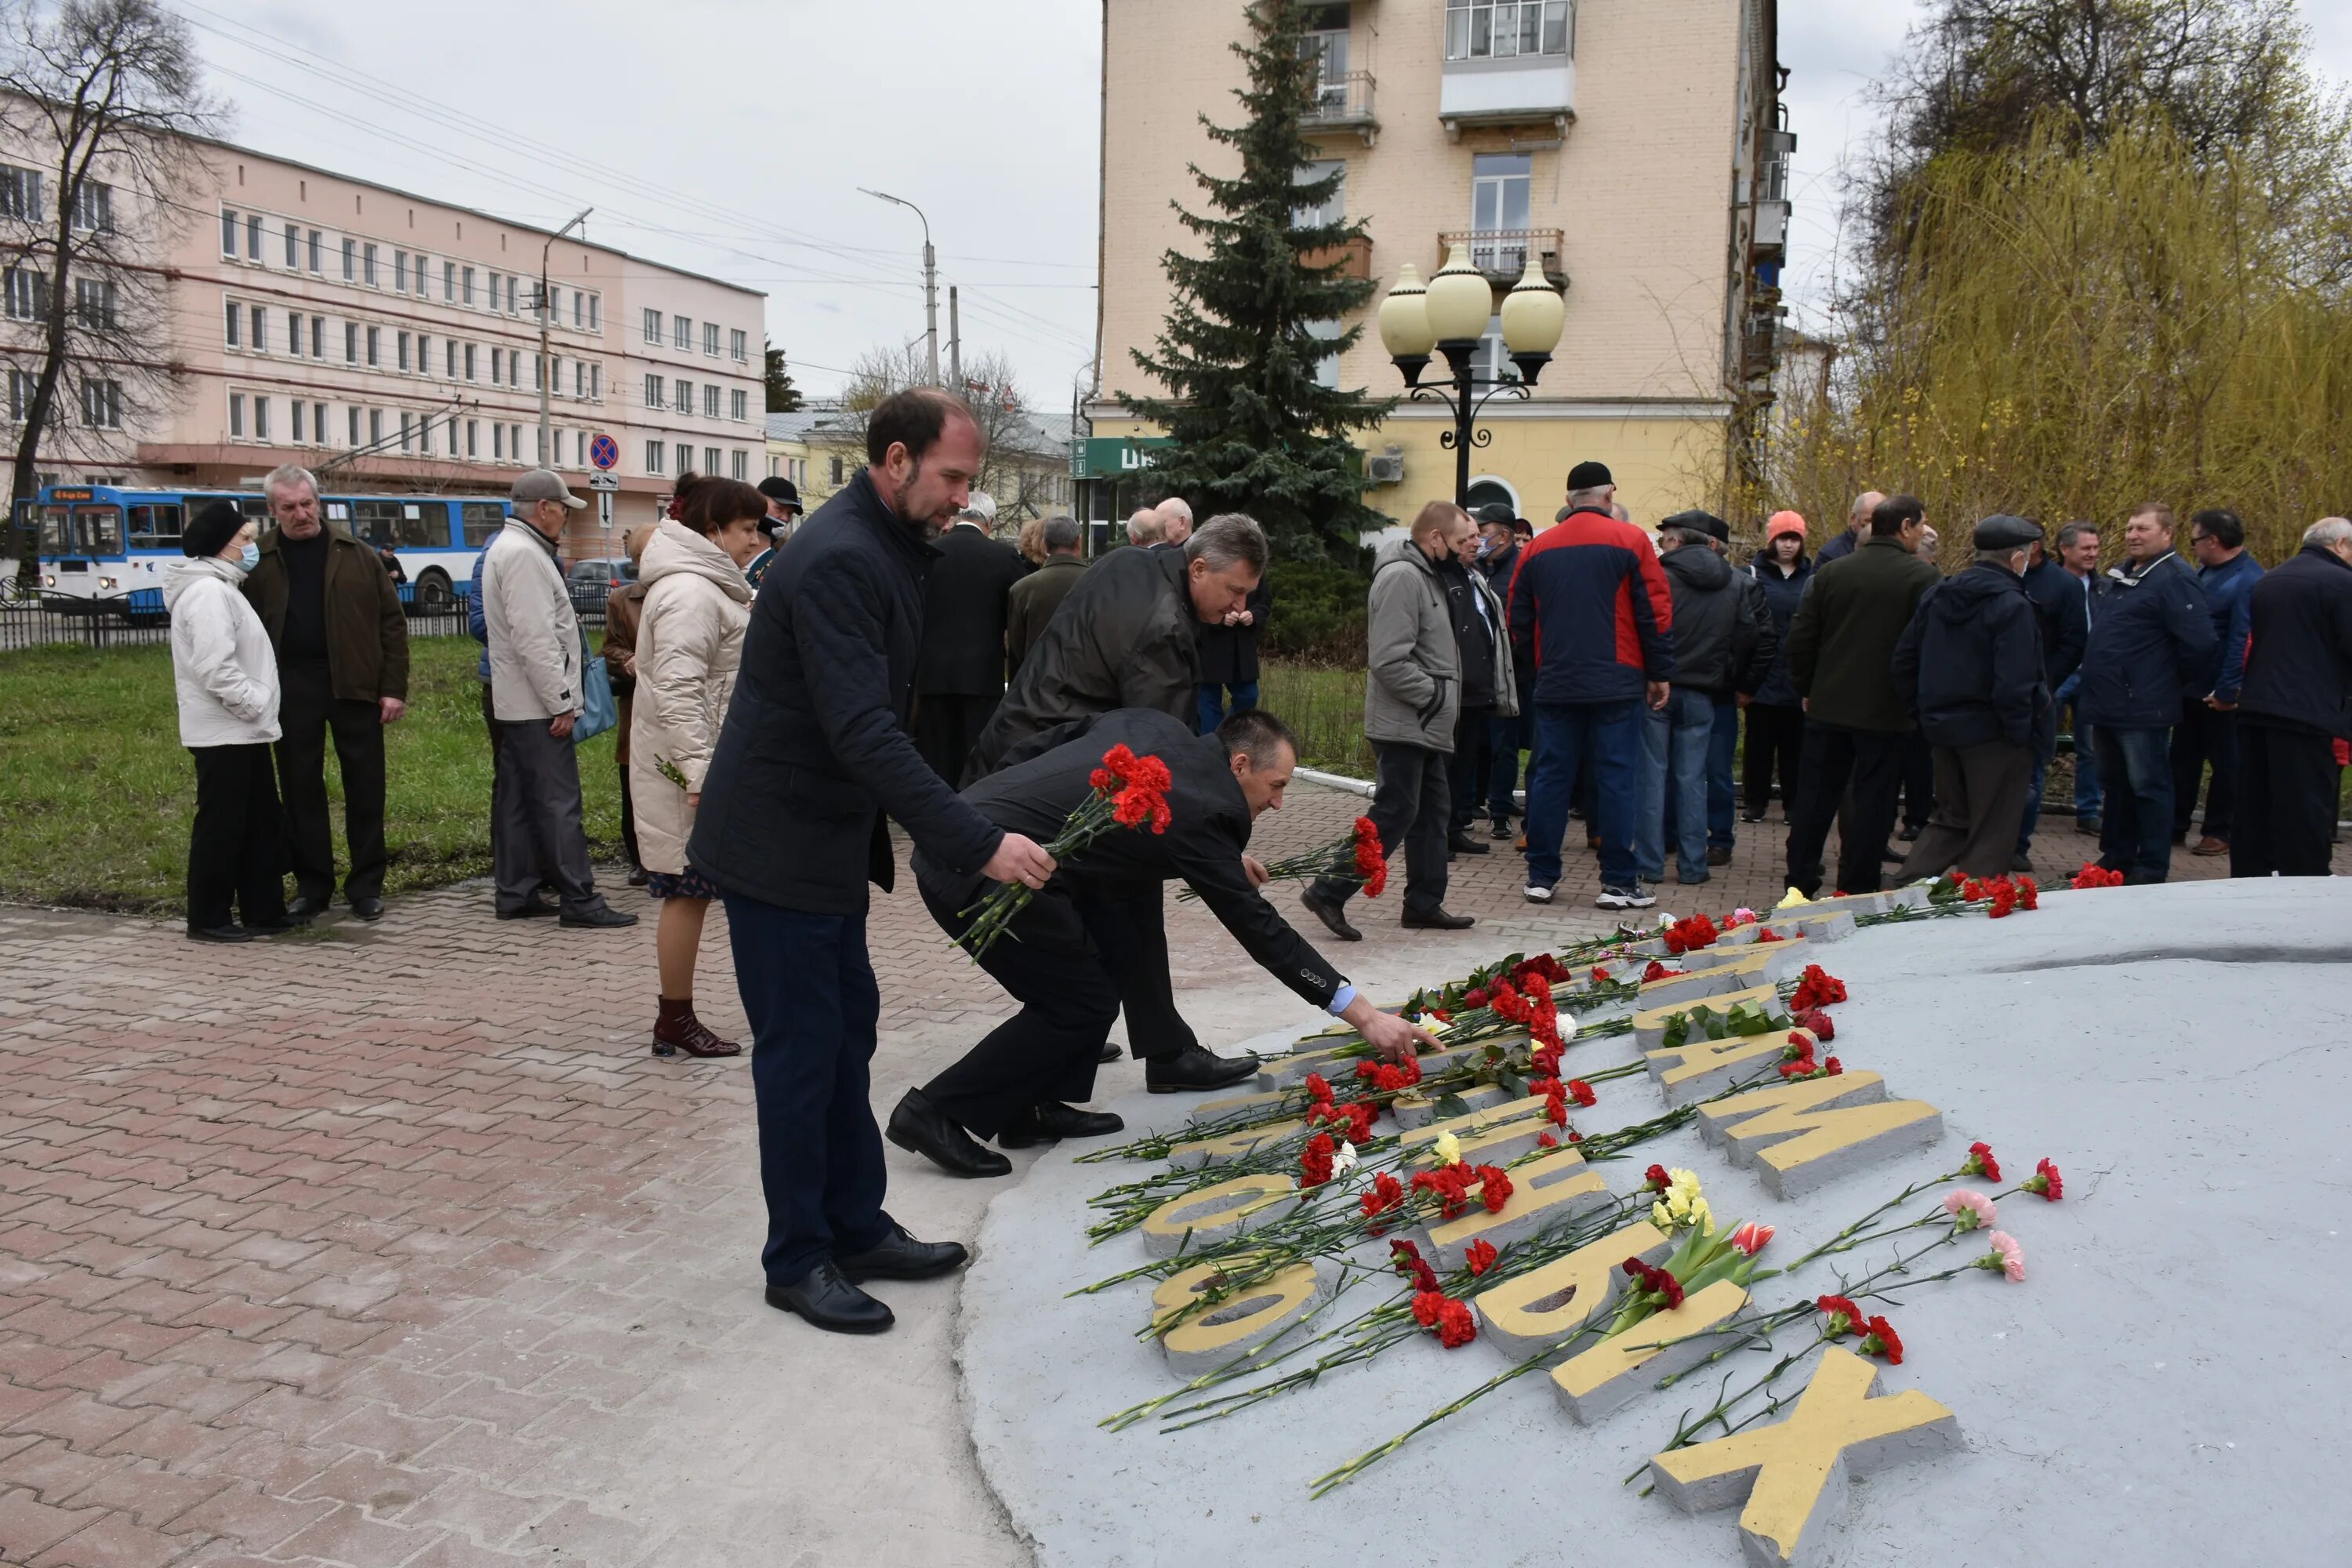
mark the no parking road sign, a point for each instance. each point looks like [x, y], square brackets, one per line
[604, 451]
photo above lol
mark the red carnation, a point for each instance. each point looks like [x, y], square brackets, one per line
[1371, 865]
[1882, 1339]
[2045, 1182]
[1315, 1161]
[1387, 1193]
[1834, 1067]
[1838, 1307]
[1981, 1163]
[1765, 936]
[1495, 1189]
[1816, 1020]
[1455, 1327]
[2093, 875]
[2029, 893]
[1426, 1305]
[1655, 1180]
[1319, 1086]
[1658, 970]
[1475, 998]
[1581, 1091]
[1480, 1257]
[1546, 1141]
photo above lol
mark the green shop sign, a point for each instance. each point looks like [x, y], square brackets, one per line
[1114, 457]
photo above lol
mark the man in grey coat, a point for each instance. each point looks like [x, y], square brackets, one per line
[537, 660]
[1412, 696]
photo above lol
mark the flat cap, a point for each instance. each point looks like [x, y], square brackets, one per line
[2002, 532]
[1495, 512]
[1699, 522]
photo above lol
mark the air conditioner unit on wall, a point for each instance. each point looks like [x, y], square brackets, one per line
[1388, 468]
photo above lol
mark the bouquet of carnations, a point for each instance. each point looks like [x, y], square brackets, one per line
[1129, 792]
[1361, 848]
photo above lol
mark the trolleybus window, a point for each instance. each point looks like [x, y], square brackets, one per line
[483, 520]
[54, 520]
[155, 527]
[97, 529]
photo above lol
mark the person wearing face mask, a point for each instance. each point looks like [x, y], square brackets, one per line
[816, 726]
[226, 676]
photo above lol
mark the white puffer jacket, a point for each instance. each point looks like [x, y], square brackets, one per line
[690, 645]
[222, 663]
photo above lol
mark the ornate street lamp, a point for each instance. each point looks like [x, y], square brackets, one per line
[1448, 314]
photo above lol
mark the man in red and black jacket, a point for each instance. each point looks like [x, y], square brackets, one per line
[1592, 615]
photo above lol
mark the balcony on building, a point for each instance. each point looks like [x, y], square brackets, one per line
[1502, 253]
[1509, 63]
[1769, 241]
[1355, 257]
[1342, 106]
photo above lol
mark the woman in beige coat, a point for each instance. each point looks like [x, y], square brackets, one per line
[689, 645]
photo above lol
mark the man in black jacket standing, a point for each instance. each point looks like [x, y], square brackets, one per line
[815, 727]
[1970, 667]
[2295, 705]
[2062, 612]
[960, 672]
[1017, 1085]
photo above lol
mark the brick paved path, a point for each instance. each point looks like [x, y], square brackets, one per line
[392, 1245]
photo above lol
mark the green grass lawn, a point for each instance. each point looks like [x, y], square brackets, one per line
[96, 791]
[1326, 707]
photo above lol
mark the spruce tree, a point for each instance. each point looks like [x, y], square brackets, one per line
[1252, 429]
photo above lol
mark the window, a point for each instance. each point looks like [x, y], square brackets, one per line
[449, 281]
[538, 371]
[229, 229]
[499, 442]
[261, 419]
[350, 251]
[295, 424]
[739, 404]
[685, 395]
[423, 354]
[738, 346]
[252, 236]
[315, 239]
[318, 422]
[554, 304]
[20, 394]
[710, 400]
[481, 518]
[1491, 362]
[155, 527]
[404, 432]
[467, 285]
[654, 393]
[741, 467]
[469, 362]
[318, 337]
[836, 467]
[1332, 209]
[351, 343]
[711, 459]
[595, 312]
[293, 245]
[94, 208]
[498, 365]
[579, 378]
[511, 305]
[260, 328]
[652, 335]
[29, 297]
[20, 198]
[473, 449]
[681, 332]
[367, 266]
[1499, 186]
[1325, 41]
[597, 382]
[375, 426]
[400, 271]
[403, 351]
[652, 457]
[355, 424]
[1326, 368]
[449, 358]
[579, 315]
[375, 345]
[237, 415]
[1500, 29]
[684, 458]
[514, 441]
[710, 339]
[542, 450]
[234, 311]
[101, 404]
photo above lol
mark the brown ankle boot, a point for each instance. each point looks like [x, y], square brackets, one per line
[678, 1029]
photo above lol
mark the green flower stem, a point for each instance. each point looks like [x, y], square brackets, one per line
[1852, 1235]
[1363, 1462]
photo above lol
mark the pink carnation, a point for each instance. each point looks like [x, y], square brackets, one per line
[1974, 1204]
[2013, 1256]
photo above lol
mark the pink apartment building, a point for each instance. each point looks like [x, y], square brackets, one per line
[393, 342]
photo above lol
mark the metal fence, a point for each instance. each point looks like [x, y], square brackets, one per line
[52, 618]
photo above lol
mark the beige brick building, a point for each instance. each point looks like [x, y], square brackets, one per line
[1634, 144]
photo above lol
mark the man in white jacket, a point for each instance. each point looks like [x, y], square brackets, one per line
[536, 668]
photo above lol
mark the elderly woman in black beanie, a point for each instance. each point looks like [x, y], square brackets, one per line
[227, 678]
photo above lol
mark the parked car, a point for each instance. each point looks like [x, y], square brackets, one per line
[592, 581]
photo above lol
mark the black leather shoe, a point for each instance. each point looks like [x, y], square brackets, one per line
[1462, 843]
[1892, 856]
[303, 906]
[1438, 918]
[601, 918]
[1196, 1068]
[278, 927]
[219, 934]
[2022, 864]
[2087, 824]
[1909, 832]
[531, 906]
[1719, 855]
[921, 1128]
[829, 1301]
[1053, 1121]
[1329, 914]
[368, 907]
[1110, 1053]
[904, 1257]
[639, 877]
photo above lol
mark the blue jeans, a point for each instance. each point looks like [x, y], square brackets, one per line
[1503, 742]
[2086, 752]
[1722, 752]
[2135, 833]
[1676, 741]
[808, 988]
[1608, 734]
[1211, 697]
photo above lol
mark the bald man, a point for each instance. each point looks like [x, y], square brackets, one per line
[1145, 528]
[1175, 522]
[1857, 523]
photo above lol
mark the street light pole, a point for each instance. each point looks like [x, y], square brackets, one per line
[546, 369]
[930, 276]
[1448, 316]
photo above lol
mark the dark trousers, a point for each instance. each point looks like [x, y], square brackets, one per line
[1605, 740]
[1468, 771]
[490, 722]
[1411, 810]
[1048, 1050]
[1506, 738]
[1850, 777]
[539, 834]
[1776, 739]
[2045, 749]
[629, 821]
[235, 849]
[2135, 833]
[1129, 922]
[308, 710]
[2289, 780]
[808, 989]
[2204, 736]
[945, 728]
[1979, 800]
[1918, 781]
[1722, 749]
[1209, 703]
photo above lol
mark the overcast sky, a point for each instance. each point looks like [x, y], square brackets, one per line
[731, 136]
